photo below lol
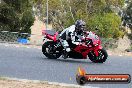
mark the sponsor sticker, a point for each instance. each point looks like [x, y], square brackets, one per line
[82, 78]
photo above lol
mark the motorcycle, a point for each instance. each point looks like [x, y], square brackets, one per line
[91, 47]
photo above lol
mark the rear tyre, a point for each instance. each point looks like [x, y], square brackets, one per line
[49, 51]
[101, 58]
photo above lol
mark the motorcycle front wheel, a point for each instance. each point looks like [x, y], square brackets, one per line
[98, 59]
[48, 49]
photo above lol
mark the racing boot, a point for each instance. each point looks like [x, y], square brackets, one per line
[65, 53]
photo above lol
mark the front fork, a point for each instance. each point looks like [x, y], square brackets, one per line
[96, 50]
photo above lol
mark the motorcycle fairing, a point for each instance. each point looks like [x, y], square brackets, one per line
[84, 50]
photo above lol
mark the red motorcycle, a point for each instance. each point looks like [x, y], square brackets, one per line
[91, 47]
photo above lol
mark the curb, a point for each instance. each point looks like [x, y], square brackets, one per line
[38, 81]
[20, 43]
[46, 82]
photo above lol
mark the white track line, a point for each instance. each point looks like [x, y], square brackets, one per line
[39, 48]
[109, 54]
[6, 45]
[120, 55]
[28, 47]
[17, 46]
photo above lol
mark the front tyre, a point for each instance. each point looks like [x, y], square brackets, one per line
[48, 49]
[101, 58]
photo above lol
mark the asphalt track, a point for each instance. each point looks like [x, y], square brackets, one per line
[29, 63]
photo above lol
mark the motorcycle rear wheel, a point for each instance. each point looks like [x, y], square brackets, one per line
[47, 49]
[101, 58]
